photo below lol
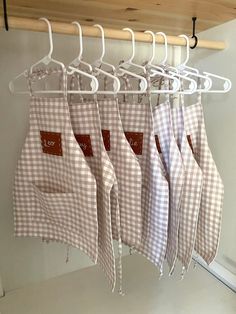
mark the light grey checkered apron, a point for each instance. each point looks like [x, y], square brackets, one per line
[191, 196]
[209, 220]
[174, 166]
[127, 171]
[86, 125]
[137, 123]
[54, 190]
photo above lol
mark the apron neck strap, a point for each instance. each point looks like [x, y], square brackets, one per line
[76, 80]
[199, 94]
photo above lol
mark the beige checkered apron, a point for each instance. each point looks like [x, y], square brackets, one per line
[55, 191]
[86, 125]
[174, 166]
[137, 123]
[209, 220]
[191, 196]
[127, 171]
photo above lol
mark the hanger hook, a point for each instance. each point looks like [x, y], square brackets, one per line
[5, 14]
[133, 43]
[153, 45]
[103, 41]
[166, 46]
[80, 39]
[194, 19]
[187, 49]
[49, 34]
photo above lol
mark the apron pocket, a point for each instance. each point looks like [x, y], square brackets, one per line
[56, 208]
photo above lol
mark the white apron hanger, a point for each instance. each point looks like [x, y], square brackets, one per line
[122, 70]
[189, 71]
[45, 60]
[97, 68]
[73, 68]
[158, 71]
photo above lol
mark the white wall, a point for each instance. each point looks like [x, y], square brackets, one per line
[25, 260]
[220, 116]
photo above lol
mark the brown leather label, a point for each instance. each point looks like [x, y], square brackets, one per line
[158, 144]
[135, 140]
[85, 144]
[106, 139]
[51, 143]
[190, 142]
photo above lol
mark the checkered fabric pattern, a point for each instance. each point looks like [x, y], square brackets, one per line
[174, 166]
[128, 175]
[137, 117]
[191, 195]
[209, 220]
[55, 195]
[85, 120]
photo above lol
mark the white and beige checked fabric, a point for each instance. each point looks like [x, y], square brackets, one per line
[85, 121]
[209, 220]
[172, 160]
[127, 171]
[137, 118]
[191, 195]
[55, 191]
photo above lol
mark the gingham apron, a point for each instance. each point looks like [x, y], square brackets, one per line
[191, 195]
[137, 123]
[127, 171]
[172, 160]
[86, 125]
[209, 220]
[55, 191]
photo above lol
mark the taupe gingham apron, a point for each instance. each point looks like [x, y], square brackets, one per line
[191, 195]
[172, 160]
[86, 125]
[209, 220]
[137, 123]
[55, 191]
[127, 171]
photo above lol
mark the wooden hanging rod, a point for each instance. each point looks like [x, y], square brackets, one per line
[90, 31]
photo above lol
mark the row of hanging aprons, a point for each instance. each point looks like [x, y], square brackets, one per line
[95, 171]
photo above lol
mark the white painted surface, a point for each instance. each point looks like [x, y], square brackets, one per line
[219, 271]
[1, 289]
[86, 292]
[220, 117]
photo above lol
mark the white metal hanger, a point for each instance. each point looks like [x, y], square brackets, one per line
[227, 84]
[190, 71]
[11, 84]
[175, 71]
[158, 71]
[45, 60]
[97, 68]
[73, 68]
[99, 62]
[78, 60]
[48, 58]
[122, 70]
[128, 63]
[163, 62]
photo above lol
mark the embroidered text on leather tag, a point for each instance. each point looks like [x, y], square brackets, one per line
[106, 139]
[51, 143]
[85, 144]
[158, 144]
[135, 140]
[190, 142]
